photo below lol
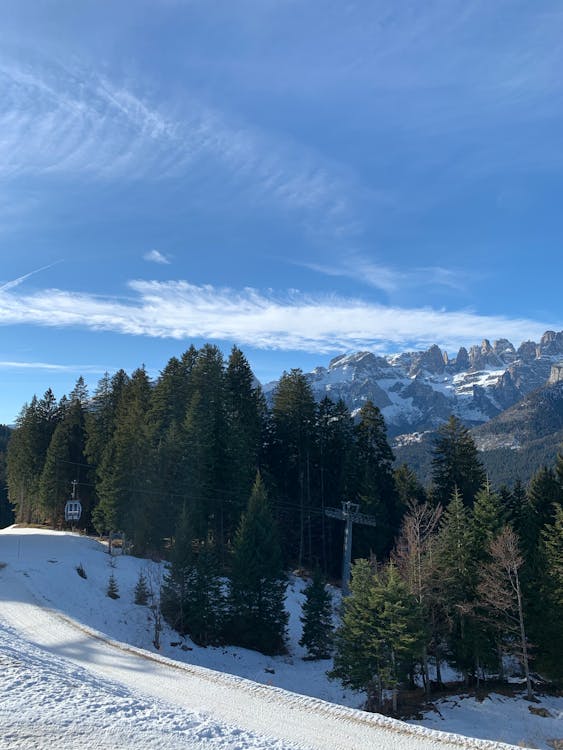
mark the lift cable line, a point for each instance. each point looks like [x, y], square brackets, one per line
[349, 513]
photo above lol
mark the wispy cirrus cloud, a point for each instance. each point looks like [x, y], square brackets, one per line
[81, 125]
[290, 321]
[388, 279]
[155, 256]
[54, 367]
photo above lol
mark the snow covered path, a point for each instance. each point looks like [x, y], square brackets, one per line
[65, 685]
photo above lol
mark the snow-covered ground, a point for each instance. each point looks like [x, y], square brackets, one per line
[69, 679]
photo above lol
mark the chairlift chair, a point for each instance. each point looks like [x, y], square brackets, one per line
[73, 510]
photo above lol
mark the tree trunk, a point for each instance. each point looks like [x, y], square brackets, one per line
[525, 661]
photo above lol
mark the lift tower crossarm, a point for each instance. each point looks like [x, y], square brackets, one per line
[351, 515]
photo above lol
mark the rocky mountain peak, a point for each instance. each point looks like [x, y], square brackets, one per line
[527, 350]
[431, 360]
[551, 343]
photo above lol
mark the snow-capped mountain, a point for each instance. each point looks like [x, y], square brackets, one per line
[417, 391]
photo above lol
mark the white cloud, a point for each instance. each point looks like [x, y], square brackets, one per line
[292, 321]
[77, 124]
[155, 256]
[52, 367]
[386, 278]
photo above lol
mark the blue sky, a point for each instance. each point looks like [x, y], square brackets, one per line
[300, 178]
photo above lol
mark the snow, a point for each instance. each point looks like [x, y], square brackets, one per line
[79, 670]
[518, 724]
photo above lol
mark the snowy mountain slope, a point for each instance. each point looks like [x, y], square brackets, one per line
[65, 683]
[417, 391]
[71, 677]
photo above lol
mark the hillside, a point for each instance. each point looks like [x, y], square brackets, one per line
[80, 671]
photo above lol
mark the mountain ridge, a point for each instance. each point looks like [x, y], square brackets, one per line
[418, 390]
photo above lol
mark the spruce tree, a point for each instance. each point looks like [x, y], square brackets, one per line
[376, 486]
[126, 486]
[379, 634]
[205, 435]
[335, 457]
[456, 464]
[244, 423]
[204, 601]
[141, 590]
[547, 631]
[257, 615]
[112, 589]
[487, 521]
[177, 579]
[455, 581]
[291, 458]
[316, 619]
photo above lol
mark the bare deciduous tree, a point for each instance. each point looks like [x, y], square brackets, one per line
[500, 595]
[412, 556]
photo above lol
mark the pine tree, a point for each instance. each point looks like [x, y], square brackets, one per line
[335, 453]
[127, 498]
[204, 601]
[379, 634]
[244, 422]
[177, 579]
[112, 589]
[291, 458]
[258, 618]
[141, 590]
[547, 633]
[455, 464]
[358, 654]
[376, 486]
[487, 521]
[63, 460]
[316, 619]
[26, 455]
[455, 580]
[205, 437]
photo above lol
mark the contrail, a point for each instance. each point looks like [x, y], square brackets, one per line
[16, 282]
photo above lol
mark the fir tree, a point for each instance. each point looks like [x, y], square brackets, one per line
[205, 445]
[316, 619]
[376, 487]
[291, 454]
[379, 635]
[487, 521]
[204, 601]
[141, 590]
[547, 632]
[112, 589]
[455, 464]
[244, 423]
[258, 618]
[177, 578]
[455, 580]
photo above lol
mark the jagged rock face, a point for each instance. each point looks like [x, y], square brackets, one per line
[551, 343]
[483, 357]
[462, 360]
[556, 374]
[527, 350]
[504, 350]
[417, 391]
[431, 360]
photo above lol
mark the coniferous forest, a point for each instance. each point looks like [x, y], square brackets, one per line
[196, 468]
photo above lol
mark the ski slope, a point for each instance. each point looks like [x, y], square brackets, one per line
[66, 684]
